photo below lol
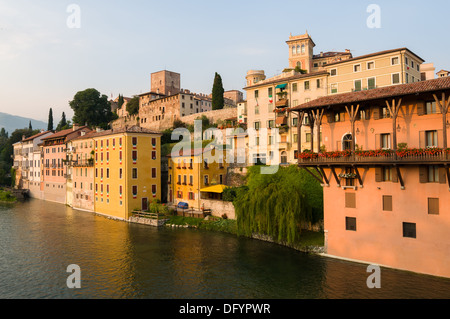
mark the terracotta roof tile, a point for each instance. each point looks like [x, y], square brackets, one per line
[380, 93]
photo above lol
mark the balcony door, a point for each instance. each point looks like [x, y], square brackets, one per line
[347, 142]
[144, 204]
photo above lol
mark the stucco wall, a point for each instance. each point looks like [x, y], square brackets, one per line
[220, 208]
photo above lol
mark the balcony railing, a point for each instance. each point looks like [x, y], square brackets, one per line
[407, 156]
[83, 163]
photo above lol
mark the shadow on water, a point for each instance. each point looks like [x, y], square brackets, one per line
[38, 240]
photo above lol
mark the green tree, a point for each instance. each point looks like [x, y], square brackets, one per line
[133, 106]
[30, 127]
[121, 101]
[91, 108]
[50, 120]
[63, 125]
[217, 93]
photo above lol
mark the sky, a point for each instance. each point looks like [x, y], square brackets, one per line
[48, 53]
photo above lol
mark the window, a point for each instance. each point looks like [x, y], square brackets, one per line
[153, 142]
[370, 65]
[358, 85]
[385, 141]
[120, 173]
[350, 200]
[387, 174]
[409, 230]
[191, 180]
[134, 173]
[206, 179]
[385, 114]
[319, 83]
[394, 61]
[107, 173]
[153, 155]
[433, 206]
[134, 156]
[433, 174]
[153, 172]
[120, 190]
[333, 72]
[306, 85]
[431, 107]
[257, 125]
[294, 87]
[431, 138]
[371, 83]
[295, 121]
[256, 109]
[256, 94]
[406, 60]
[334, 88]
[271, 124]
[357, 68]
[350, 223]
[135, 191]
[134, 141]
[387, 203]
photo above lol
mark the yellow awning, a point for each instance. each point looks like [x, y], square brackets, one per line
[214, 189]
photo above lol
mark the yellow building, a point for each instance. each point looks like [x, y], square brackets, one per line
[191, 171]
[127, 171]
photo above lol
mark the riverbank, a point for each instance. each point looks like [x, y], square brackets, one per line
[7, 197]
[309, 241]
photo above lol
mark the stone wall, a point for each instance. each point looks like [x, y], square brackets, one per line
[219, 208]
[213, 116]
[127, 121]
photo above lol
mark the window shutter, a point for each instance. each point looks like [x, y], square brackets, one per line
[378, 174]
[422, 139]
[440, 134]
[350, 200]
[330, 117]
[387, 203]
[420, 108]
[433, 206]
[423, 174]
[376, 113]
[442, 175]
[377, 141]
[394, 175]
[367, 113]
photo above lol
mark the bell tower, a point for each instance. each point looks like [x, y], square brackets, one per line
[301, 51]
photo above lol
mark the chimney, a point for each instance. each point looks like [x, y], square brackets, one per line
[347, 51]
[23, 137]
[75, 127]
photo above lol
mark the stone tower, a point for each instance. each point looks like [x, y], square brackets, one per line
[166, 82]
[301, 51]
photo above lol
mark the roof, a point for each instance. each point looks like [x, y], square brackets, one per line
[64, 133]
[123, 130]
[376, 94]
[36, 136]
[191, 152]
[330, 54]
[375, 54]
[287, 79]
[214, 189]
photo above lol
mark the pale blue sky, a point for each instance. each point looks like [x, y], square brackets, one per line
[43, 63]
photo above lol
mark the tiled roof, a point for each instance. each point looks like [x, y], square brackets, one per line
[376, 94]
[132, 129]
[64, 133]
[36, 136]
[192, 152]
[375, 54]
[287, 79]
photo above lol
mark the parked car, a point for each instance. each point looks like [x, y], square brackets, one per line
[183, 205]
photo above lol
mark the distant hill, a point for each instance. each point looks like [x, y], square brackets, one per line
[13, 122]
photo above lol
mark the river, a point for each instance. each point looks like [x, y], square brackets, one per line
[118, 260]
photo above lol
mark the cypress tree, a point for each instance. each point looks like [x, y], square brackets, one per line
[30, 127]
[50, 120]
[217, 93]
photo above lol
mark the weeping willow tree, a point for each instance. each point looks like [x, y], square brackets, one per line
[276, 205]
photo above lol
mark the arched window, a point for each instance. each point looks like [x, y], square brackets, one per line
[303, 48]
[347, 142]
[293, 49]
[299, 64]
[298, 49]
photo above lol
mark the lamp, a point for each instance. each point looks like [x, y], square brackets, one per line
[399, 128]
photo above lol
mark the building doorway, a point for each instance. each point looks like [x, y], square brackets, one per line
[144, 204]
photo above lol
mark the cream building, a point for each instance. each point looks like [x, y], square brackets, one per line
[309, 77]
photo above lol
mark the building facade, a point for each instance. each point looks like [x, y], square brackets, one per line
[384, 149]
[127, 168]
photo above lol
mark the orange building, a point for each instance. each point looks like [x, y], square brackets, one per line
[385, 174]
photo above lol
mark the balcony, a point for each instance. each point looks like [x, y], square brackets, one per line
[427, 156]
[83, 163]
[282, 103]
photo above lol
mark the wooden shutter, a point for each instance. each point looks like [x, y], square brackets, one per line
[378, 174]
[440, 134]
[350, 200]
[442, 175]
[376, 113]
[433, 206]
[394, 175]
[377, 141]
[330, 117]
[420, 108]
[422, 139]
[387, 203]
[423, 174]
[367, 113]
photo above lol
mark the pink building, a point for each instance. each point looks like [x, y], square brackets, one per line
[54, 168]
[385, 174]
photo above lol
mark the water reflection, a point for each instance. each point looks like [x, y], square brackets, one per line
[38, 240]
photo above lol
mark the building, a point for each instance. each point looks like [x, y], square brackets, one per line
[192, 170]
[127, 170]
[310, 77]
[443, 73]
[242, 112]
[54, 163]
[80, 172]
[385, 147]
